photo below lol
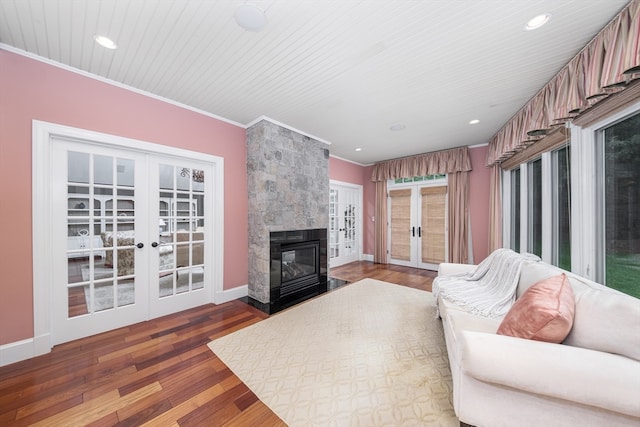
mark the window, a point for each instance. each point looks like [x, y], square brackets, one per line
[438, 177]
[577, 205]
[618, 157]
[561, 208]
[536, 195]
[534, 207]
[514, 227]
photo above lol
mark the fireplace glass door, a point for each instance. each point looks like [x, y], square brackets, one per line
[299, 266]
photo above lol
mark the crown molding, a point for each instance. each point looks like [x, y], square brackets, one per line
[351, 161]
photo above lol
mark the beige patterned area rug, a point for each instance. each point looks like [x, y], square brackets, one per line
[368, 354]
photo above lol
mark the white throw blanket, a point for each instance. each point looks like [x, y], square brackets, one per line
[488, 291]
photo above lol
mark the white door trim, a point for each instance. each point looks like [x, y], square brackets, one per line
[42, 209]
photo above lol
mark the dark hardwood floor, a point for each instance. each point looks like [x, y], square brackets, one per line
[158, 372]
[406, 276]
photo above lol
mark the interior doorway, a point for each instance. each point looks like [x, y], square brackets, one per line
[345, 223]
[132, 230]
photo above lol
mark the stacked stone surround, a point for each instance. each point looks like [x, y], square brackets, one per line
[288, 183]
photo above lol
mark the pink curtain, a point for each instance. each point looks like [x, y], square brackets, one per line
[456, 163]
[606, 65]
[632, 59]
[439, 162]
[380, 225]
[458, 187]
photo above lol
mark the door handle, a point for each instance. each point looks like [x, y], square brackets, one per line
[154, 244]
[419, 231]
[140, 245]
[413, 232]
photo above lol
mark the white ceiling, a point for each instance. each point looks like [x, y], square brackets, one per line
[343, 71]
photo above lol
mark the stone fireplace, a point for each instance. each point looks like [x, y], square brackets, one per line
[288, 186]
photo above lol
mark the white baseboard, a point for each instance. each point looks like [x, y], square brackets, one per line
[24, 349]
[367, 257]
[231, 294]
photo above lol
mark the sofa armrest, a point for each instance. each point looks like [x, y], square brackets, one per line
[447, 268]
[576, 374]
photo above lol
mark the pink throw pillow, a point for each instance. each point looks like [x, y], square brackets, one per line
[543, 313]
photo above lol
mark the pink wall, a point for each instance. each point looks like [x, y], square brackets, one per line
[31, 90]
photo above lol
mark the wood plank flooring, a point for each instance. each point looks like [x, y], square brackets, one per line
[157, 373]
[412, 277]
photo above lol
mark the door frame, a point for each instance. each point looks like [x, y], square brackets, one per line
[360, 217]
[42, 209]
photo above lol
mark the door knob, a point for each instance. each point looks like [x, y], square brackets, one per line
[140, 245]
[154, 244]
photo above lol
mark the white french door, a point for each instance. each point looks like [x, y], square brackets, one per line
[181, 196]
[130, 236]
[345, 213]
[417, 231]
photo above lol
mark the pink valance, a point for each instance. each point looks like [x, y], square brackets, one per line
[606, 65]
[439, 162]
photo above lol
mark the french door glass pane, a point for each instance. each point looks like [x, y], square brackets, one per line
[515, 210]
[622, 205]
[334, 221]
[349, 230]
[100, 233]
[181, 229]
[561, 243]
[400, 224]
[433, 224]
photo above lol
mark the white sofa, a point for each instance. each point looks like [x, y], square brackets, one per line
[591, 379]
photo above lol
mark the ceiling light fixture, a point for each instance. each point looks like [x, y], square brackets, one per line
[537, 22]
[397, 127]
[250, 18]
[358, 149]
[105, 41]
[474, 122]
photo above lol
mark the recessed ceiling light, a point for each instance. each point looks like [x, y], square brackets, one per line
[105, 41]
[358, 149]
[537, 22]
[250, 18]
[397, 127]
[474, 121]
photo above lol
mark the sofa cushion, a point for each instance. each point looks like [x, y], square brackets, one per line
[605, 319]
[543, 313]
[532, 273]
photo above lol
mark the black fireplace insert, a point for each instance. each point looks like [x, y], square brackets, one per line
[298, 265]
